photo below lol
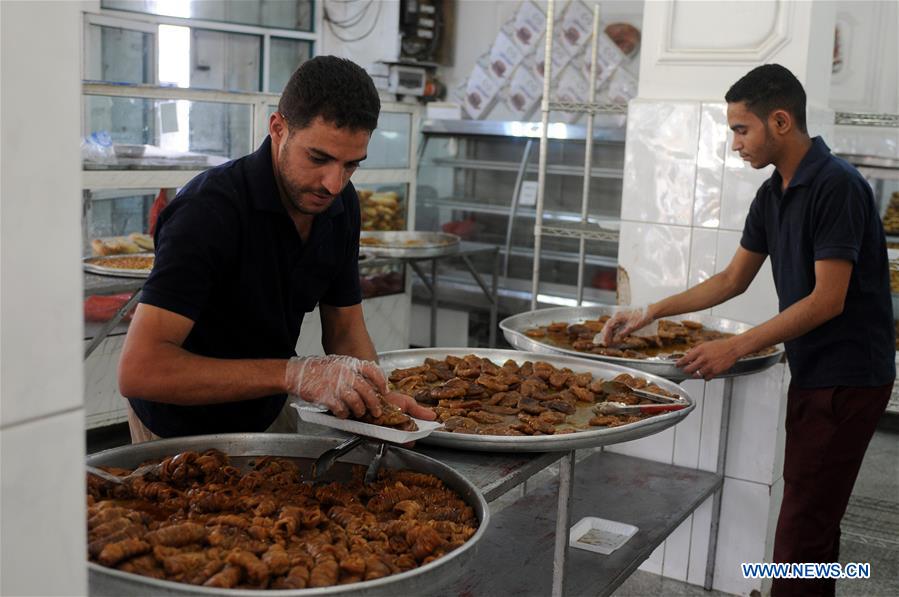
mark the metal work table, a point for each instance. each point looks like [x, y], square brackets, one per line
[515, 556]
[464, 252]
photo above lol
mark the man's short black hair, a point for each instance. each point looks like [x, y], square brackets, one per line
[338, 90]
[767, 88]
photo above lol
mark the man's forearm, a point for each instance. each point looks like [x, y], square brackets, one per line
[713, 291]
[355, 343]
[798, 319]
[175, 376]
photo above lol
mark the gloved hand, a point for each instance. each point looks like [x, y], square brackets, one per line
[623, 323]
[342, 384]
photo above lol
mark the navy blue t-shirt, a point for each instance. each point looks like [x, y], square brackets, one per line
[828, 212]
[229, 258]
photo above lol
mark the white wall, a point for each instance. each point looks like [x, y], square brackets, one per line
[42, 492]
[381, 44]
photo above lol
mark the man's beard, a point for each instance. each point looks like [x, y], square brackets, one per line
[294, 192]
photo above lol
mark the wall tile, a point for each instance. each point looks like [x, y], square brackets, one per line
[42, 507]
[738, 189]
[703, 256]
[677, 551]
[658, 447]
[387, 319]
[656, 259]
[653, 563]
[452, 326]
[699, 543]
[742, 534]
[660, 162]
[711, 426]
[710, 165]
[759, 302]
[755, 423]
[687, 432]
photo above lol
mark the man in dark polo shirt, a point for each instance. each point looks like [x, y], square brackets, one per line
[243, 252]
[817, 220]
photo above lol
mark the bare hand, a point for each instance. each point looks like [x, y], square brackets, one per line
[709, 359]
[410, 406]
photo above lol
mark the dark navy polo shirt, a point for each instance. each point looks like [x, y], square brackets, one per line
[229, 258]
[828, 212]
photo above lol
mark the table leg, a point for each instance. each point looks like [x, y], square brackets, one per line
[494, 303]
[716, 498]
[563, 523]
[433, 302]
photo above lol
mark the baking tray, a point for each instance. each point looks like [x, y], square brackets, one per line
[428, 244]
[514, 327]
[114, 272]
[599, 436]
[424, 579]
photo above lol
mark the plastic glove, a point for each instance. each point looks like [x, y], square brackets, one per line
[342, 384]
[623, 323]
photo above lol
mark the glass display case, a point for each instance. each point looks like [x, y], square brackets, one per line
[477, 179]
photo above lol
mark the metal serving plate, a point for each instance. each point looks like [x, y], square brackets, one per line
[515, 326]
[599, 436]
[428, 244]
[110, 582]
[115, 272]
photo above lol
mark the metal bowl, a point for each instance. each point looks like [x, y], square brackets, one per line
[395, 243]
[111, 582]
[591, 438]
[514, 327]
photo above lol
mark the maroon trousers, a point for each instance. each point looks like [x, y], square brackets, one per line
[828, 430]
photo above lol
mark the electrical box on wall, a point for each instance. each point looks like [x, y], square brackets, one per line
[425, 29]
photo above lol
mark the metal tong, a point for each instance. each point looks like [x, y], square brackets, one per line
[619, 408]
[616, 387]
[327, 460]
[107, 476]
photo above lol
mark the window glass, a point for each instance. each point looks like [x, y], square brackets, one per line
[226, 61]
[118, 55]
[279, 14]
[286, 56]
[389, 145]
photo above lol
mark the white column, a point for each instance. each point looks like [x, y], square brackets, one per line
[42, 482]
[684, 202]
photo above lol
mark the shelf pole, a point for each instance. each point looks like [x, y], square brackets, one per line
[563, 522]
[513, 210]
[541, 166]
[588, 158]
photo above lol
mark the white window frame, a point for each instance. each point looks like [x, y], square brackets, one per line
[150, 23]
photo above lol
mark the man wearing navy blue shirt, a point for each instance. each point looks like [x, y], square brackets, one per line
[243, 252]
[817, 220]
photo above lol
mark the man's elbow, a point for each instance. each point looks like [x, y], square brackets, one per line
[130, 378]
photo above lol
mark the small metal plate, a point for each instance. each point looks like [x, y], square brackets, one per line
[591, 438]
[102, 270]
[515, 326]
[402, 243]
[108, 581]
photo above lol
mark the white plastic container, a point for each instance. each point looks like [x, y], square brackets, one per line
[600, 535]
[315, 414]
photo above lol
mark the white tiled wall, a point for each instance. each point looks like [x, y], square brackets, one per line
[42, 493]
[759, 302]
[656, 258]
[742, 534]
[660, 162]
[710, 165]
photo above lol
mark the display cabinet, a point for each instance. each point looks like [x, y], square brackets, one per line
[478, 179]
[883, 175]
[142, 143]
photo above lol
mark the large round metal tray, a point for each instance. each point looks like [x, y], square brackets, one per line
[241, 446]
[100, 270]
[600, 436]
[411, 243]
[515, 326]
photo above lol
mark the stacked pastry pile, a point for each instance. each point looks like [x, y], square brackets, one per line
[381, 211]
[474, 395]
[199, 520]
